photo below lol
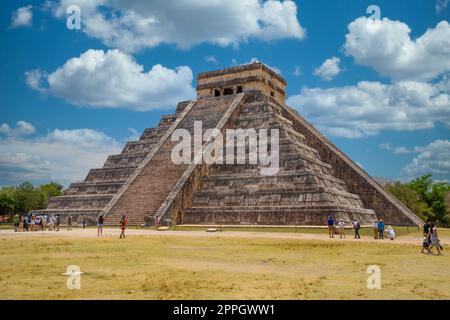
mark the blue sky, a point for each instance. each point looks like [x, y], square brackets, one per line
[378, 91]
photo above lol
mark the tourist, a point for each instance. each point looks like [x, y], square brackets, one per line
[123, 225]
[100, 225]
[330, 223]
[41, 223]
[69, 223]
[25, 223]
[342, 228]
[51, 223]
[391, 233]
[356, 226]
[21, 223]
[425, 244]
[426, 230]
[434, 239]
[58, 222]
[375, 229]
[33, 223]
[381, 229]
[16, 221]
[44, 222]
[84, 221]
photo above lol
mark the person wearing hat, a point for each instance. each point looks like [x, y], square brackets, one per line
[375, 229]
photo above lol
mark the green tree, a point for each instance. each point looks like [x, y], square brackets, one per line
[7, 204]
[410, 198]
[49, 190]
[433, 195]
[27, 198]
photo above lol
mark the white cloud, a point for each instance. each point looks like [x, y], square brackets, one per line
[400, 150]
[441, 5]
[22, 128]
[297, 71]
[211, 59]
[62, 155]
[387, 47]
[434, 159]
[134, 25]
[22, 17]
[329, 69]
[370, 107]
[113, 79]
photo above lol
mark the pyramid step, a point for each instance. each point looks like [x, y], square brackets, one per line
[154, 133]
[275, 215]
[105, 187]
[121, 160]
[80, 201]
[141, 146]
[110, 174]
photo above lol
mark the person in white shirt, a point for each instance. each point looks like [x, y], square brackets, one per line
[375, 229]
[391, 233]
[341, 228]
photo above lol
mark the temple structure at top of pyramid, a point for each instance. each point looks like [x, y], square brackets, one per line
[315, 179]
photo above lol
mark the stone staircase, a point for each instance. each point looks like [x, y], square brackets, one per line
[142, 195]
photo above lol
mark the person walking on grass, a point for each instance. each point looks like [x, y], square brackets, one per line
[356, 226]
[381, 229]
[84, 221]
[342, 228]
[123, 225]
[330, 223]
[434, 239]
[100, 225]
[16, 221]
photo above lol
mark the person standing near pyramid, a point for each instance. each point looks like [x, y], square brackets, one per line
[330, 223]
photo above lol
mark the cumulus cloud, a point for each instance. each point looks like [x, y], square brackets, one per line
[400, 150]
[329, 69]
[387, 47]
[434, 159]
[441, 5]
[22, 128]
[134, 25]
[61, 155]
[22, 17]
[113, 79]
[370, 107]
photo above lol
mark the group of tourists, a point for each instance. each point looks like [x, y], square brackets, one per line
[42, 222]
[380, 231]
[430, 238]
[378, 228]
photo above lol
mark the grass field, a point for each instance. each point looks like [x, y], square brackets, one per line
[195, 266]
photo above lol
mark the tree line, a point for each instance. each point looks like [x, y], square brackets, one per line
[25, 197]
[428, 199]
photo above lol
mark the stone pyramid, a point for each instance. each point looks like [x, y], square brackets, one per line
[315, 179]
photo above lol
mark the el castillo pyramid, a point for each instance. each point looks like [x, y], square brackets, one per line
[315, 179]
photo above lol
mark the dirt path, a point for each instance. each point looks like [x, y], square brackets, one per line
[114, 232]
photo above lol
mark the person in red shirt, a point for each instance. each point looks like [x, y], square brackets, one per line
[123, 225]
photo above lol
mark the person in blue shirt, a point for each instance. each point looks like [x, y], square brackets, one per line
[381, 229]
[330, 223]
